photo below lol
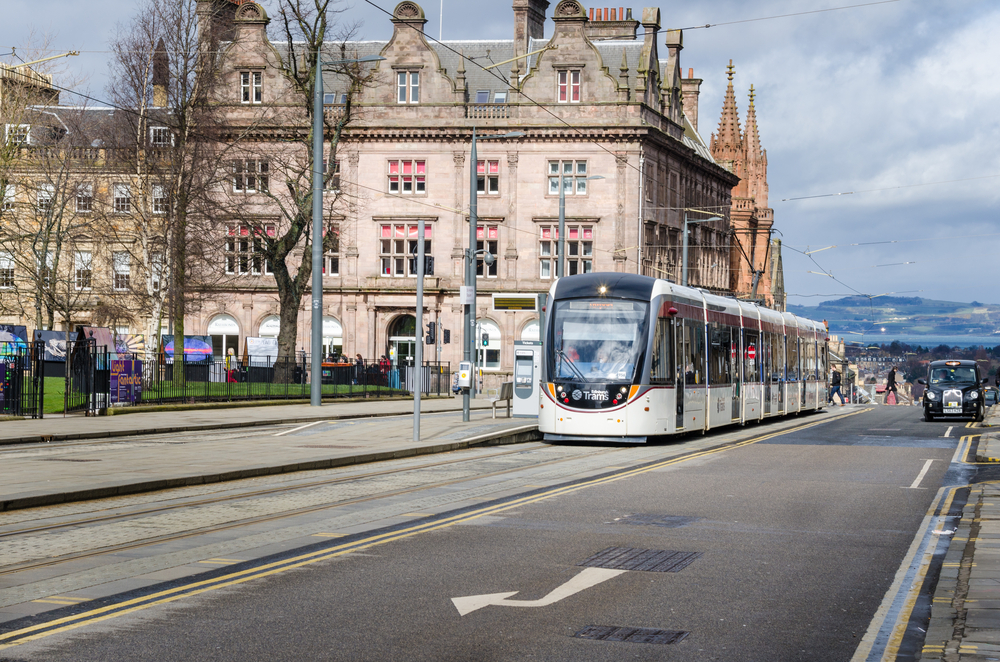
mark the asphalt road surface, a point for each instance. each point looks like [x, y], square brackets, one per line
[782, 546]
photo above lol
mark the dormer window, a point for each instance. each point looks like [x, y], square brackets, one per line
[18, 134]
[500, 97]
[483, 96]
[408, 87]
[568, 86]
[160, 136]
[251, 86]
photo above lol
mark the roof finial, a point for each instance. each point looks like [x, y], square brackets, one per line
[753, 95]
[730, 70]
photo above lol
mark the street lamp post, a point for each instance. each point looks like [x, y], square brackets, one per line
[316, 345]
[561, 244]
[468, 337]
[684, 250]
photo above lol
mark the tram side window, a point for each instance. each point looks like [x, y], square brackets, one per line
[662, 368]
[694, 357]
[792, 358]
[776, 365]
[752, 353]
[719, 360]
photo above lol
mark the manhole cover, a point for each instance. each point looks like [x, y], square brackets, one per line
[669, 521]
[631, 635]
[645, 560]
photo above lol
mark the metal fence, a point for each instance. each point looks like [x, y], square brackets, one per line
[229, 380]
[22, 386]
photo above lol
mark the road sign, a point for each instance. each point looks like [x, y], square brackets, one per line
[751, 352]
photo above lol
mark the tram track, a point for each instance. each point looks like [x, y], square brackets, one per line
[92, 521]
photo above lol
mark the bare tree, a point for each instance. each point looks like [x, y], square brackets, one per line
[162, 70]
[308, 34]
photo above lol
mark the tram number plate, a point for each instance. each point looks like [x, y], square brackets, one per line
[952, 410]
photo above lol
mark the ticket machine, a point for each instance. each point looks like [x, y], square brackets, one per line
[527, 378]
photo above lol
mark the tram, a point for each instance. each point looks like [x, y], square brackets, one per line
[628, 358]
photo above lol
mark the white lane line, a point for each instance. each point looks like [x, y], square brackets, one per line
[947, 432]
[301, 427]
[920, 476]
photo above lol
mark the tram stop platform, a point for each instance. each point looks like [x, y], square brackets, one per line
[56, 460]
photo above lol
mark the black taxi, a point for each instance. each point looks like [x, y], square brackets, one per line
[954, 388]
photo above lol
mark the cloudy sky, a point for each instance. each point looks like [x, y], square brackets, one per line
[893, 101]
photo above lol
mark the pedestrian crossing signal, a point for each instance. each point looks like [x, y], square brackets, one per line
[486, 340]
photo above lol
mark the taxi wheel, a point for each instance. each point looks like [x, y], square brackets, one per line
[980, 414]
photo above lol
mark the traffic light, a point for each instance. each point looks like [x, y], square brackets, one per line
[428, 266]
[446, 336]
[486, 340]
[430, 333]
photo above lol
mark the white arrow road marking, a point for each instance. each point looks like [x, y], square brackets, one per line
[589, 577]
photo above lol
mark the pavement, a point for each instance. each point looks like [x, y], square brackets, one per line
[965, 611]
[101, 457]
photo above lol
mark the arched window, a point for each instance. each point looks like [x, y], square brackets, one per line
[225, 332]
[333, 337]
[488, 353]
[269, 327]
[531, 331]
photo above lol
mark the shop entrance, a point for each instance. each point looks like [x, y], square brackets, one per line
[402, 345]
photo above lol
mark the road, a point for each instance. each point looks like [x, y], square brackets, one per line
[780, 541]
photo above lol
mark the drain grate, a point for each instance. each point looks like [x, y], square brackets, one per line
[646, 560]
[668, 521]
[631, 635]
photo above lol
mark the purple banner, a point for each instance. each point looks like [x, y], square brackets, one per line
[126, 380]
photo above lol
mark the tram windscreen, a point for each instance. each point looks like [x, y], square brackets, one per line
[596, 340]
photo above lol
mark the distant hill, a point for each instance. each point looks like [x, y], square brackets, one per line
[905, 316]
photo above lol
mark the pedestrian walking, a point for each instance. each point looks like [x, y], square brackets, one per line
[359, 368]
[835, 388]
[231, 366]
[890, 387]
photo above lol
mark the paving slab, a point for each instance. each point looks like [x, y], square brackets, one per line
[203, 451]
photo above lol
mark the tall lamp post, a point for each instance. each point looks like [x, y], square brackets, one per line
[468, 337]
[684, 250]
[316, 346]
[561, 245]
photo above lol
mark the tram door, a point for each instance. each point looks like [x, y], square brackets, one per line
[681, 352]
[767, 361]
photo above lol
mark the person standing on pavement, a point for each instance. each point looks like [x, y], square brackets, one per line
[835, 388]
[890, 387]
[918, 393]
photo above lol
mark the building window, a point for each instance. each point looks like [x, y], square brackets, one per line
[500, 97]
[122, 198]
[407, 177]
[488, 356]
[334, 183]
[569, 86]
[83, 270]
[331, 256]
[408, 86]
[6, 271]
[84, 198]
[250, 175]
[45, 270]
[161, 202]
[251, 86]
[10, 190]
[245, 250]
[488, 177]
[487, 238]
[573, 174]
[160, 136]
[397, 244]
[579, 250]
[483, 96]
[121, 265]
[44, 197]
[18, 134]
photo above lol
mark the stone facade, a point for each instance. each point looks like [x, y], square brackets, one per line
[601, 99]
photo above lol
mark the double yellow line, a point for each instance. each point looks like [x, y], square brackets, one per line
[42, 630]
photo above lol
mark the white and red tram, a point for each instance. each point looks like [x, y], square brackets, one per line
[628, 357]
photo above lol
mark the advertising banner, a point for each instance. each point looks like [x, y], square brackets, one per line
[261, 351]
[197, 349]
[126, 381]
[55, 344]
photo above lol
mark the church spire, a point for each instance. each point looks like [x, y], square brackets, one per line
[727, 145]
[755, 157]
